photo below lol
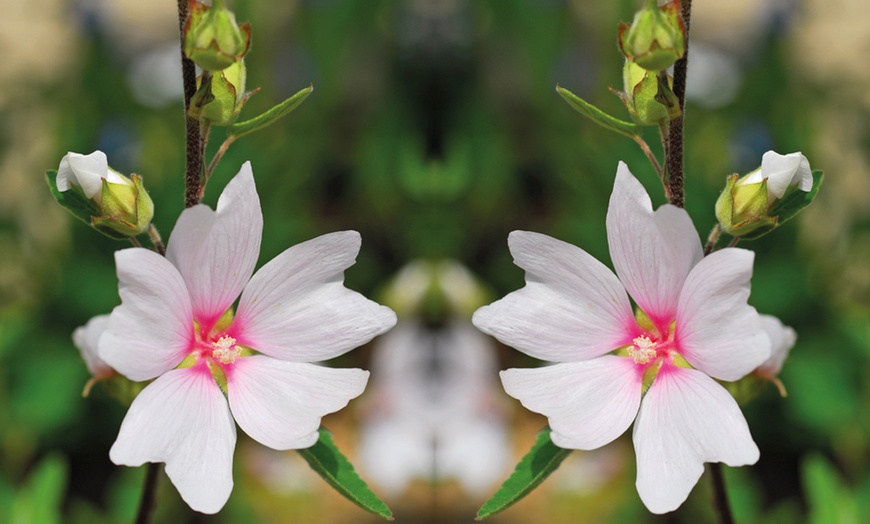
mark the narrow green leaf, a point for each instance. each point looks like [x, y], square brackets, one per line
[269, 117]
[598, 116]
[325, 458]
[533, 468]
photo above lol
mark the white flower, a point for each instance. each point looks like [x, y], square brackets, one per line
[693, 326]
[782, 339]
[781, 171]
[87, 172]
[175, 324]
[86, 339]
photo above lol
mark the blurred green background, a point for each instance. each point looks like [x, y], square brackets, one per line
[434, 130]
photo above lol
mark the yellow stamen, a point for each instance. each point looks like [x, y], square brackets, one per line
[643, 350]
[225, 350]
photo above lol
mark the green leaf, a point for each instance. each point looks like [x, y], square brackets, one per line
[792, 203]
[598, 116]
[40, 499]
[79, 205]
[325, 458]
[534, 468]
[827, 497]
[269, 117]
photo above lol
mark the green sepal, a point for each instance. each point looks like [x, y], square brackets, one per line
[80, 206]
[328, 462]
[271, 116]
[530, 472]
[598, 116]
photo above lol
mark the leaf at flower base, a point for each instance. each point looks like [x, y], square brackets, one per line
[269, 117]
[533, 468]
[325, 458]
[792, 203]
[598, 116]
[79, 205]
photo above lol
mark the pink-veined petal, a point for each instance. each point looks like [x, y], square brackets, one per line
[588, 404]
[296, 307]
[280, 404]
[182, 419]
[152, 330]
[652, 252]
[571, 308]
[216, 251]
[685, 420]
[717, 331]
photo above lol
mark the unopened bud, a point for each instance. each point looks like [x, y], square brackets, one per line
[648, 97]
[220, 96]
[212, 38]
[656, 38]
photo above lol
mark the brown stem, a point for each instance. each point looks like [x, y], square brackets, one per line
[712, 239]
[135, 242]
[734, 242]
[149, 494]
[154, 235]
[720, 497]
[675, 130]
[193, 150]
[214, 162]
[652, 159]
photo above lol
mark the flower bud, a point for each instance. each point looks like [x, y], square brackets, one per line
[220, 96]
[752, 204]
[656, 38]
[122, 204]
[648, 98]
[212, 38]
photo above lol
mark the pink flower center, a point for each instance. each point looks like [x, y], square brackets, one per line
[642, 350]
[225, 350]
[216, 346]
[650, 347]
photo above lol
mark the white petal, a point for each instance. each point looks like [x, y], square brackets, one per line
[86, 339]
[717, 331]
[572, 307]
[86, 171]
[782, 171]
[152, 330]
[216, 252]
[782, 339]
[296, 307]
[686, 419]
[651, 251]
[588, 403]
[280, 404]
[182, 419]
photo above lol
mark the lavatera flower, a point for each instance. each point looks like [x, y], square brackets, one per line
[655, 367]
[176, 324]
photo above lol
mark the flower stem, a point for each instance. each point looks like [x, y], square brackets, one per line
[675, 129]
[712, 239]
[720, 497]
[149, 494]
[652, 160]
[193, 140]
[156, 241]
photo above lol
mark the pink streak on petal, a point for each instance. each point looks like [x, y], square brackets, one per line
[280, 404]
[182, 419]
[216, 251]
[652, 252]
[152, 330]
[572, 308]
[588, 404]
[685, 420]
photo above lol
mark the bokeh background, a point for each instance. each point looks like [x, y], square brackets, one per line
[434, 130]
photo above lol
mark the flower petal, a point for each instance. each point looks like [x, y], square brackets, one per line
[216, 252]
[87, 171]
[782, 171]
[152, 330]
[572, 307]
[86, 339]
[717, 331]
[296, 307]
[686, 419]
[651, 251]
[280, 404]
[182, 419]
[782, 339]
[588, 404]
